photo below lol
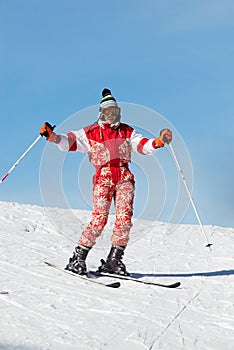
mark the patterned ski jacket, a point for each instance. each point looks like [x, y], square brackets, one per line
[107, 145]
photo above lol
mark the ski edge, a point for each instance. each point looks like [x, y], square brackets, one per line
[129, 278]
[84, 277]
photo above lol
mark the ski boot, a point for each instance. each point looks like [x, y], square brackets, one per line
[77, 262]
[114, 263]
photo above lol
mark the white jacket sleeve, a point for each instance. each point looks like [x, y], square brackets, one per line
[142, 144]
[74, 141]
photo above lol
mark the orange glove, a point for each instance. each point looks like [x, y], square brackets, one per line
[164, 137]
[47, 131]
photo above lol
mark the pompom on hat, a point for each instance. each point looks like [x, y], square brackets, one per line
[107, 101]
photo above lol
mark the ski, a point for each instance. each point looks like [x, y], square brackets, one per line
[84, 277]
[3, 292]
[129, 278]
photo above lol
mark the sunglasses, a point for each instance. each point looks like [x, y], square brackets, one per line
[111, 111]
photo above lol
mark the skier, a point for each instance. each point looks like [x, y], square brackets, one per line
[109, 144]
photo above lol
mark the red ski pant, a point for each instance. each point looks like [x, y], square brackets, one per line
[117, 185]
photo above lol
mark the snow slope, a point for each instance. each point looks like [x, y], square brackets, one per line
[48, 309]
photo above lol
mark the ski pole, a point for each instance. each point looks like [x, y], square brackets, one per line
[17, 162]
[189, 194]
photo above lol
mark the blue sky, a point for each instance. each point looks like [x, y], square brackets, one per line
[174, 57]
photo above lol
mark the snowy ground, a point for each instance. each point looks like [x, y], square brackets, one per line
[48, 309]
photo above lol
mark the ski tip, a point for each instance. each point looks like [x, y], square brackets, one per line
[113, 285]
[175, 285]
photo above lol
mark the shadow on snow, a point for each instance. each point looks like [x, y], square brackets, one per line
[192, 274]
[16, 347]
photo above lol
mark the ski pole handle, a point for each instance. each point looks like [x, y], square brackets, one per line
[19, 160]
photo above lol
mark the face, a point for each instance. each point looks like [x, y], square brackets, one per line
[110, 114]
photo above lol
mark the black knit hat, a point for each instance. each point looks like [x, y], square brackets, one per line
[107, 99]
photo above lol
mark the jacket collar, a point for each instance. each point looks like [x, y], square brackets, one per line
[104, 125]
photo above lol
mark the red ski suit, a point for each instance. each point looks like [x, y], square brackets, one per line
[109, 149]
